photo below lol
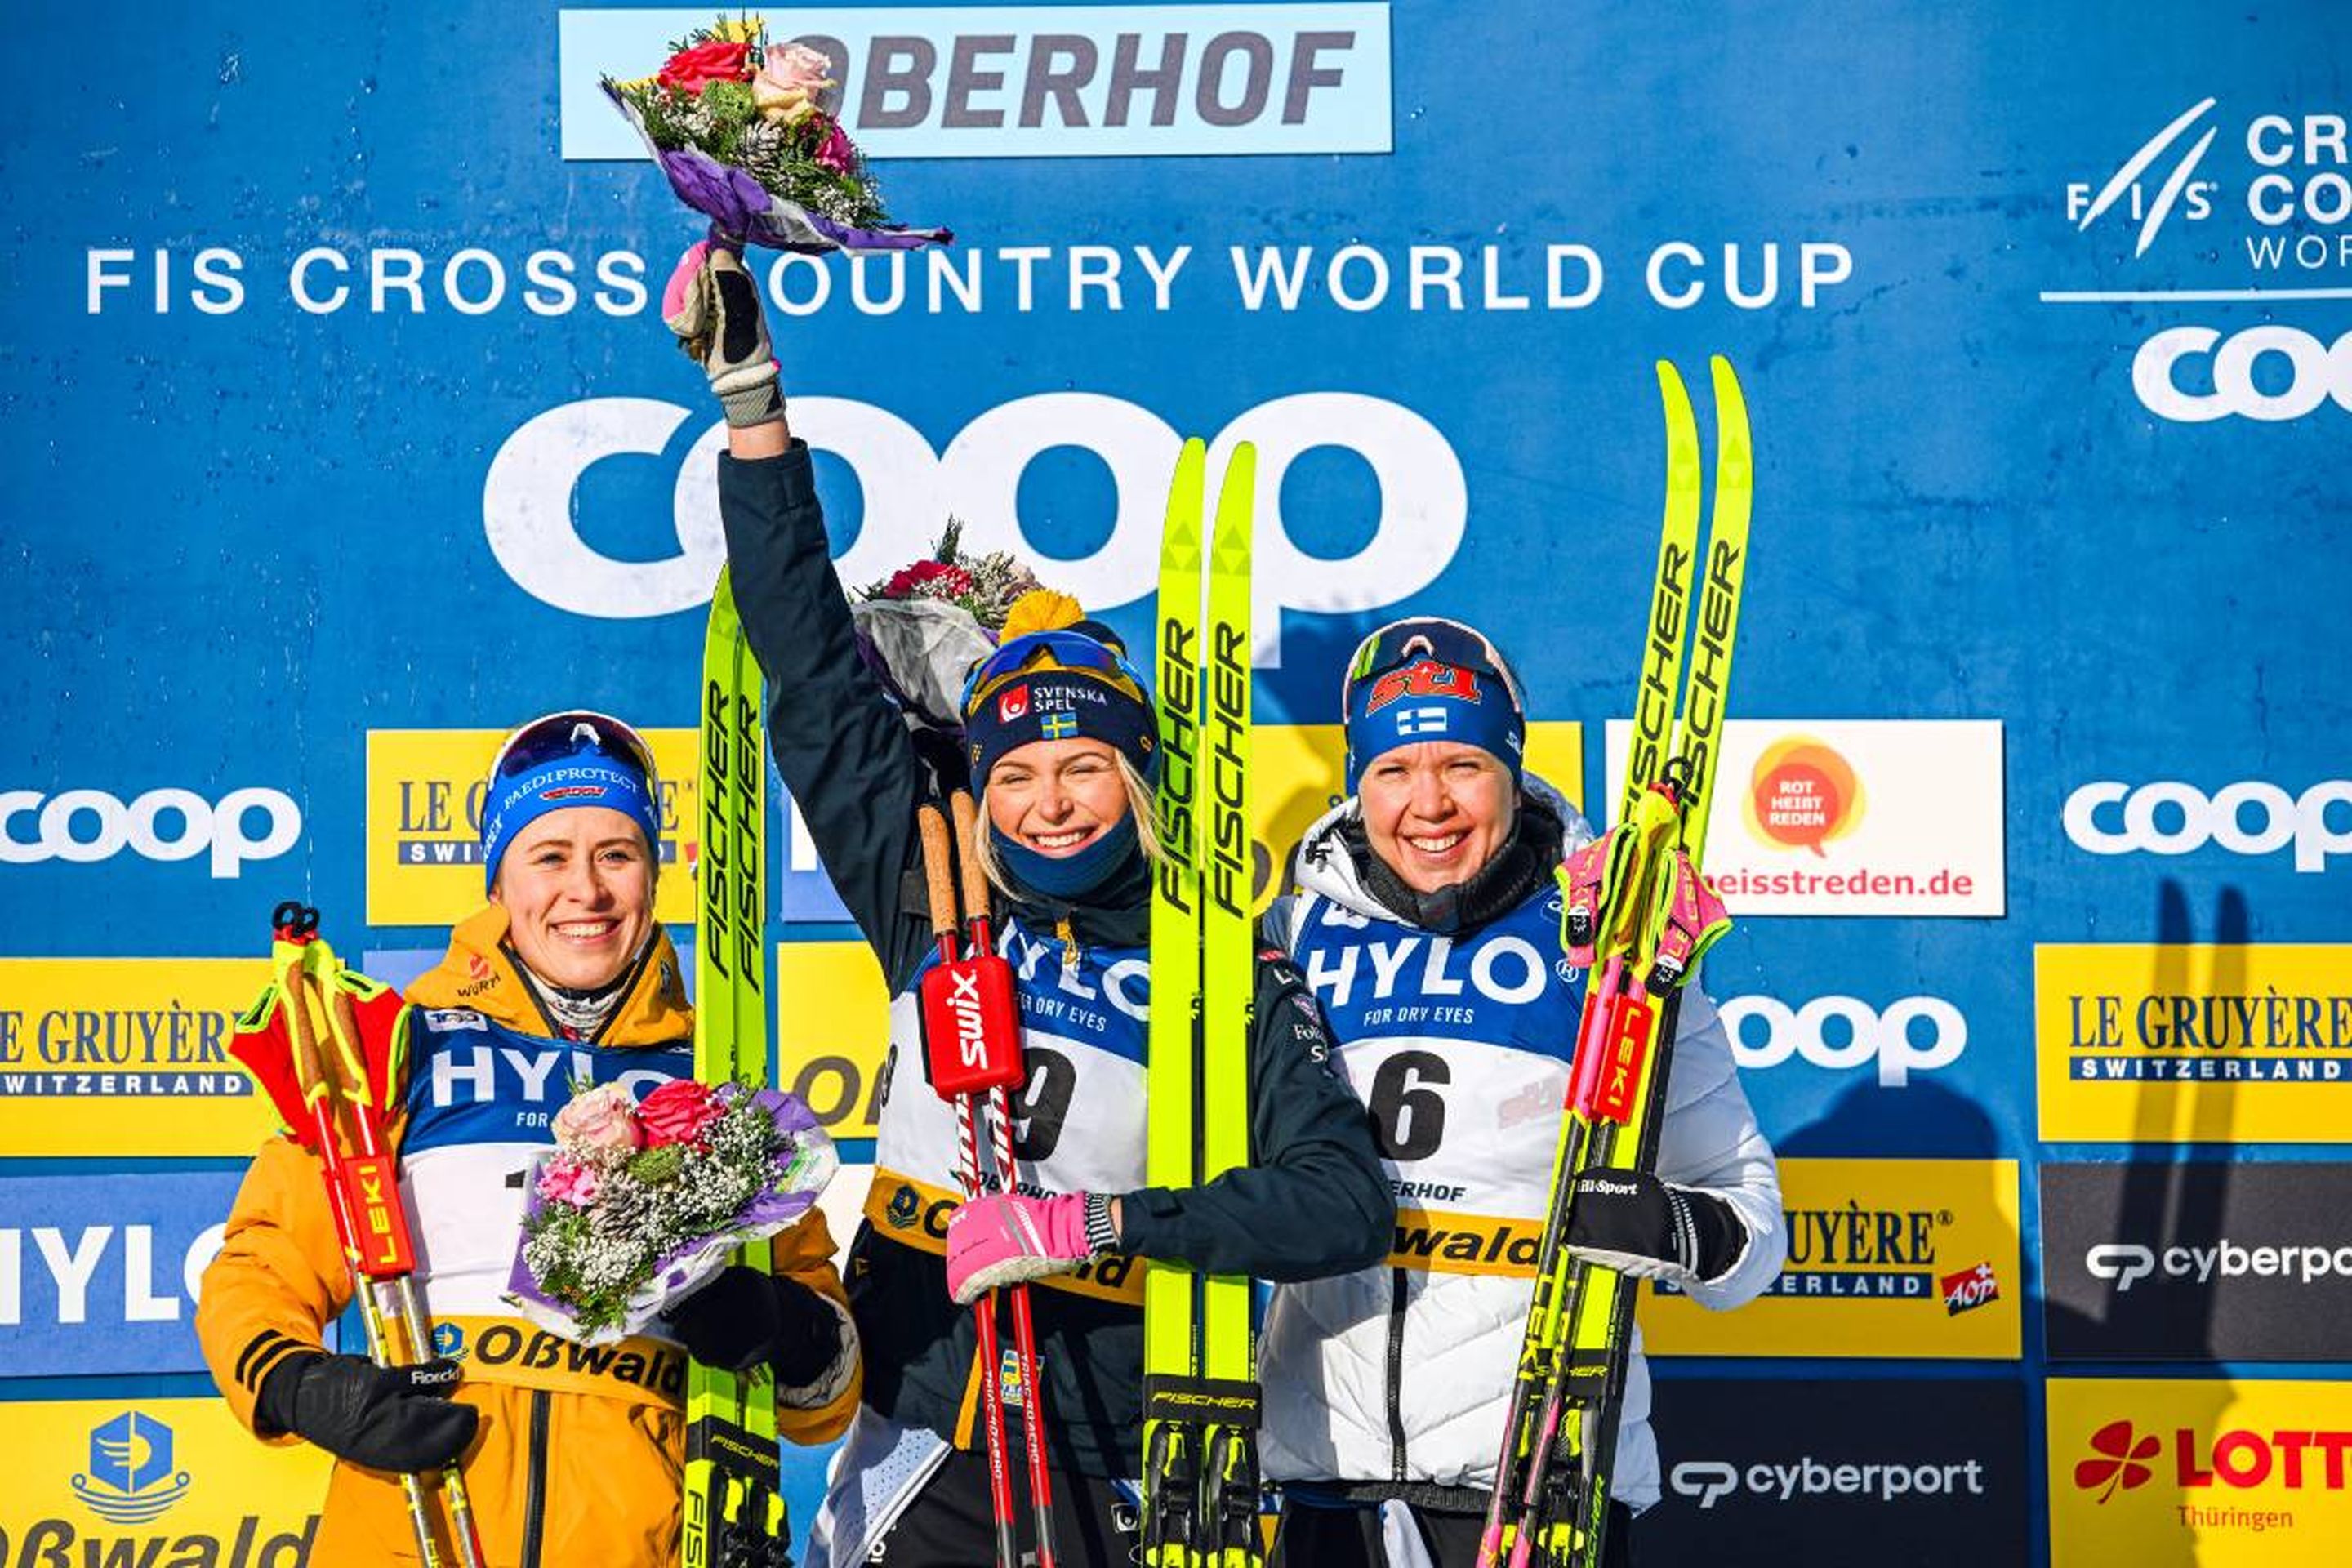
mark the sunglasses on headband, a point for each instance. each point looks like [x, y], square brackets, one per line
[567, 734]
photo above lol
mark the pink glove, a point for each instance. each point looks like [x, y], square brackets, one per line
[1003, 1238]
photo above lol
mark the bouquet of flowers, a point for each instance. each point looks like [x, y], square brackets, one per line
[639, 1203]
[735, 122]
[922, 627]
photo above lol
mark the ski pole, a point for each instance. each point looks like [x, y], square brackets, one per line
[293, 932]
[1025, 1334]
[959, 1000]
[377, 1193]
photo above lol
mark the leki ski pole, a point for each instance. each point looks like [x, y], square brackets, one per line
[364, 1194]
[957, 1046]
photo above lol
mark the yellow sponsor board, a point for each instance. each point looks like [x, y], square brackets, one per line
[1886, 1258]
[127, 1056]
[2164, 1472]
[832, 1031]
[1299, 772]
[2202, 1044]
[424, 823]
[163, 1481]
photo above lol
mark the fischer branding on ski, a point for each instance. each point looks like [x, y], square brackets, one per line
[1637, 915]
[734, 1510]
[1200, 1395]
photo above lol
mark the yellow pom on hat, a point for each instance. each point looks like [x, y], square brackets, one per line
[1040, 610]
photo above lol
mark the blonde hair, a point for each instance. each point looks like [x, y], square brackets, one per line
[1141, 804]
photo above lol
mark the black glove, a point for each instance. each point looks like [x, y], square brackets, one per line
[718, 321]
[746, 1316]
[1636, 1224]
[385, 1417]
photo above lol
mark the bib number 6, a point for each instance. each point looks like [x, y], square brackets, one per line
[1408, 1114]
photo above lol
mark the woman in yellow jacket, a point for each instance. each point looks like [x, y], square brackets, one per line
[571, 1456]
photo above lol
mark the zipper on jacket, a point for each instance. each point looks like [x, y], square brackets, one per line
[534, 1506]
[1396, 1374]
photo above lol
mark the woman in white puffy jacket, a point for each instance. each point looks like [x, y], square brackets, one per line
[1426, 920]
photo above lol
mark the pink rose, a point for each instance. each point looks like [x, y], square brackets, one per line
[564, 1180]
[679, 1111]
[599, 1124]
[789, 80]
[836, 151]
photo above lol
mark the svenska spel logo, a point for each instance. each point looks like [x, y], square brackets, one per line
[130, 1480]
[1801, 793]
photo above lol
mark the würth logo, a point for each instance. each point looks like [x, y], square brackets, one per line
[2118, 1461]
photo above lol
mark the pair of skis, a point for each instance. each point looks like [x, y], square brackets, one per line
[1637, 916]
[971, 1054]
[1200, 1389]
[734, 1508]
[336, 1101]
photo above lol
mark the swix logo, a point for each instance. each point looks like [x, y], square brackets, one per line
[529, 517]
[2125, 192]
[2118, 1459]
[971, 1039]
[1012, 704]
[1424, 678]
[2292, 1460]
[197, 826]
[2109, 817]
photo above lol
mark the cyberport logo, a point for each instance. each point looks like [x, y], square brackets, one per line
[130, 1480]
[1802, 793]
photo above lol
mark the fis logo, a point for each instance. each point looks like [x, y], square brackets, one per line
[2125, 192]
[130, 1480]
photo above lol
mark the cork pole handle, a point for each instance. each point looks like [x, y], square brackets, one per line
[974, 868]
[939, 873]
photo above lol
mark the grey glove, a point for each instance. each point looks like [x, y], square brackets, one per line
[713, 306]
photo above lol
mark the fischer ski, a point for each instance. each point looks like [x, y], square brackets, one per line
[734, 1510]
[1200, 1389]
[1637, 916]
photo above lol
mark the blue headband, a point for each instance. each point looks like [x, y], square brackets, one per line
[588, 777]
[1430, 700]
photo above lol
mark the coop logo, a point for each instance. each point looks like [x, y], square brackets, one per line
[2252, 818]
[130, 1480]
[1800, 1480]
[2125, 1264]
[84, 825]
[2303, 1459]
[2194, 375]
[1845, 1034]
[529, 514]
[1801, 793]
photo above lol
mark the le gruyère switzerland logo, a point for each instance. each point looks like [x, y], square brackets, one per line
[130, 1480]
[1801, 794]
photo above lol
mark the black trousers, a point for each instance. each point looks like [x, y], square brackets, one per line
[950, 1525]
[1311, 1537]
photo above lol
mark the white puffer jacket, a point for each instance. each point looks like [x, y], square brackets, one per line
[1403, 1375]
